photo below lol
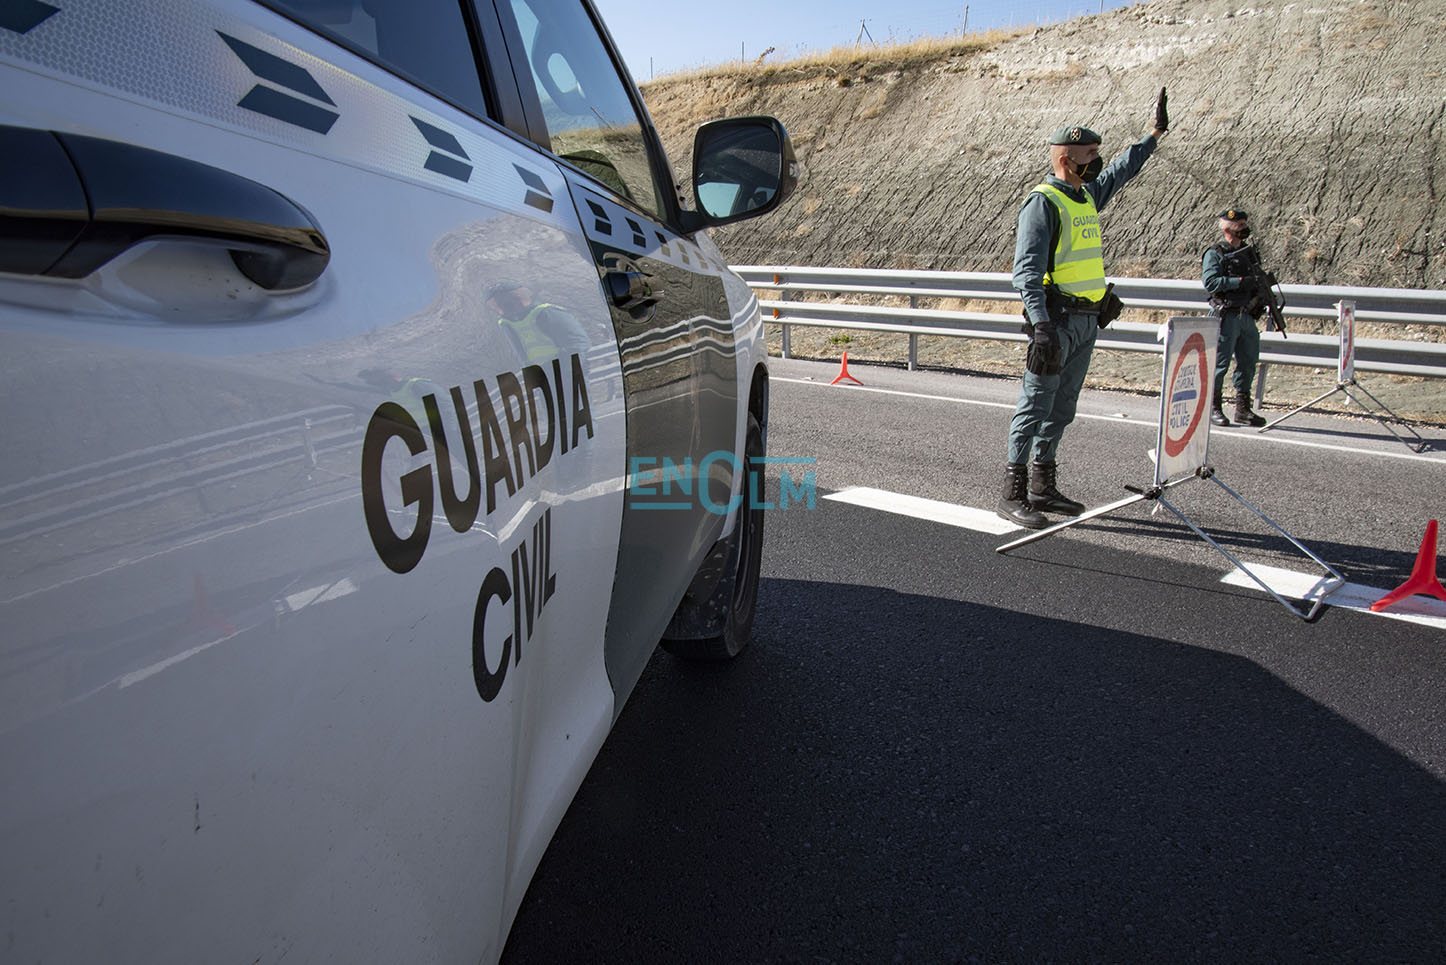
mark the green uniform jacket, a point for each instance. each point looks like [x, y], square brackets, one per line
[1039, 227]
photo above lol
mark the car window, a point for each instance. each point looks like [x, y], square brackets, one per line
[426, 41]
[585, 104]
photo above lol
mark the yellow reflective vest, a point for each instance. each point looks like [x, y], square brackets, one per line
[535, 344]
[1079, 267]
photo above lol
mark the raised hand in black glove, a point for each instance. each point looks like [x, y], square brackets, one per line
[1162, 115]
[1043, 355]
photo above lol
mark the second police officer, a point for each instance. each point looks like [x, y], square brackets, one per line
[1238, 286]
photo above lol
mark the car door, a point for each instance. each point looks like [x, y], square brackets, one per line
[306, 543]
[673, 325]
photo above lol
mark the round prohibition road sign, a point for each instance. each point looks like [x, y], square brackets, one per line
[1188, 390]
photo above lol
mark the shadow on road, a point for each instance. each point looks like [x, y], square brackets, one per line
[935, 781]
[1370, 431]
[1358, 563]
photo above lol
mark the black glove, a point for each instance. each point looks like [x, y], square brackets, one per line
[1162, 115]
[1267, 280]
[1248, 284]
[1043, 355]
[1110, 306]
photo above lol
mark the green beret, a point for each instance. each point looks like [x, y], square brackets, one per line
[503, 287]
[1074, 135]
[1233, 214]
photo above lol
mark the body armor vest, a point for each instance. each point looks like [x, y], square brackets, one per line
[1239, 262]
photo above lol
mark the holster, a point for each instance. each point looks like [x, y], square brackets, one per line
[1110, 306]
[1059, 305]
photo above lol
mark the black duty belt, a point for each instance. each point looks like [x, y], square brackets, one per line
[1223, 305]
[1056, 300]
[1057, 303]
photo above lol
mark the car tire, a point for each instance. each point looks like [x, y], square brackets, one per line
[736, 592]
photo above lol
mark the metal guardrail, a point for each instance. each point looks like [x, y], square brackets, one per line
[186, 467]
[1401, 306]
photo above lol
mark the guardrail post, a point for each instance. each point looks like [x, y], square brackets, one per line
[913, 339]
[1260, 382]
[787, 342]
[310, 447]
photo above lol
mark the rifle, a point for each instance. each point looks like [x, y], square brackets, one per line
[1266, 299]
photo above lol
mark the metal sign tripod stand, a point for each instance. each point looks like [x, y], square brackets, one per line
[1418, 446]
[1182, 450]
[1346, 381]
[1157, 494]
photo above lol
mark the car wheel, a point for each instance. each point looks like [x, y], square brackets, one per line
[736, 593]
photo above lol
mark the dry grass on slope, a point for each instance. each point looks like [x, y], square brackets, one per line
[850, 58]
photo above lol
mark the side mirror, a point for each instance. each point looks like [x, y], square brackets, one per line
[742, 167]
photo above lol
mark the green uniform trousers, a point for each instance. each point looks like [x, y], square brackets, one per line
[1239, 340]
[1047, 402]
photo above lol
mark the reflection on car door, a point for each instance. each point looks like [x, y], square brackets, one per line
[678, 355]
[679, 374]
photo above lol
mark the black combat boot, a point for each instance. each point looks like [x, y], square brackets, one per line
[1044, 497]
[1217, 413]
[1243, 415]
[1014, 503]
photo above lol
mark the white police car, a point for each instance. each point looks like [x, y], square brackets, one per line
[336, 338]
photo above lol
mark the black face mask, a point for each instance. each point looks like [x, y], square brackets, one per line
[1088, 172]
[1243, 233]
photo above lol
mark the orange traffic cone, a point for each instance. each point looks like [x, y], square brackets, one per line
[1423, 575]
[843, 372]
[203, 614]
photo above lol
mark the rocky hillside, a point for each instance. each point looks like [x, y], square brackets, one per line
[1323, 119]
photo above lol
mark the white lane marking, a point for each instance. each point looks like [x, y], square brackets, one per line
[912, 395]
[321, 594]
[1424, 610]
[1151, 424]
[950, 514]
[136, 676]
[1288, 583]
[294, 602]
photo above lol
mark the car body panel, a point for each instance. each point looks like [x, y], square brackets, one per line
[192, 471]
[310, 596]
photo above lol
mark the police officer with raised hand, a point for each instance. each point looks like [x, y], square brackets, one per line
[539, 332]
[1234, 278]
[1060, 274]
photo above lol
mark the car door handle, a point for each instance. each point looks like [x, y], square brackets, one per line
[70, 203]
[630, 289]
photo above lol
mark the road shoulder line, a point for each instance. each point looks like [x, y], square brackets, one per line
[1351, 596]
[1232, 432]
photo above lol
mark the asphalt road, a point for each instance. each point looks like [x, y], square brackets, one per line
[1088, 748]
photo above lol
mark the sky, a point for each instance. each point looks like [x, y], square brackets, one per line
[659, 37]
